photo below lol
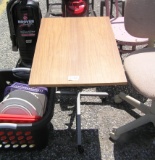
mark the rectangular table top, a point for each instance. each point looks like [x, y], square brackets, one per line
[73, 52]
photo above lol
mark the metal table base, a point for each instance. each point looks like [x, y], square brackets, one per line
[78, 112]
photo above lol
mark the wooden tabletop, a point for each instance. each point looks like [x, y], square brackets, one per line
[76, 52]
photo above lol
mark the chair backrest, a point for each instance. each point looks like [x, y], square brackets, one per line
[140, 18]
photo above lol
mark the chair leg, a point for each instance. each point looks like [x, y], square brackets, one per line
[137, 104]
[148, 117]
[116, 132]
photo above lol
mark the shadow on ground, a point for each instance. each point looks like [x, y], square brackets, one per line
[138, 144]
[61, 145]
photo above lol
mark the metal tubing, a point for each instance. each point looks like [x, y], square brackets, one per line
[47, 5]
[78, 113]
[101, 94]
[78, 121]
[66, 93]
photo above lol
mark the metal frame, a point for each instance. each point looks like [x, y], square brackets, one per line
[78, 111]
[120, 1]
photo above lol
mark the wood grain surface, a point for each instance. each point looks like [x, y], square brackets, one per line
[76, 52]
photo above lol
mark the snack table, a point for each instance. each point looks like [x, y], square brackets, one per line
[73, 52]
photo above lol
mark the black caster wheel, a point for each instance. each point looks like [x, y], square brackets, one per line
[80, 149]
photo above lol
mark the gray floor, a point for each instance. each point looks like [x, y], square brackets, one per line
[97, 120]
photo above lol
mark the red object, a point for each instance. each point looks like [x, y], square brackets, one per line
[18, 118]
[76, 7]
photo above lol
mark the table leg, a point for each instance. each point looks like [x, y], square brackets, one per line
[78, 125]
[78, 113]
